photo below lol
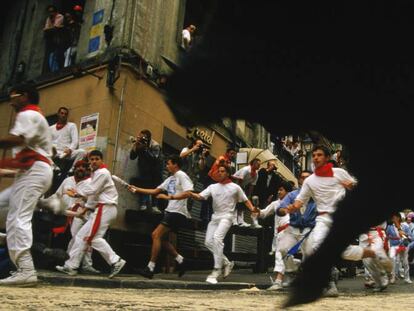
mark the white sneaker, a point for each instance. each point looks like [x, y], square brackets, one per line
[20, 278]
[227, 269]
[384, 284]
[212, 277]
[408, 281]
[89, 270]
[392, 279]
[3, 238]
[117, 267]
[67, 270]
[142, 208]
[256, 226]
[155, 210]
[331, 290]
[243, 224]
[276, 286]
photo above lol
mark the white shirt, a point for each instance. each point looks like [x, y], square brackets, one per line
[68, 183]
[186, 36]
[245, 175]
[66, 137]
[325, 191]
[33, 126]
[225, 197]
[176, 184]
[101, 187]
[271, 209]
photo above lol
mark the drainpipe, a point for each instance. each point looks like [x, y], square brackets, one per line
[118, 126]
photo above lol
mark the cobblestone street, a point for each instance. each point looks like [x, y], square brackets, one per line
[46, 297]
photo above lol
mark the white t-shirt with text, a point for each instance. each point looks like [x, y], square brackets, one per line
[176, 184]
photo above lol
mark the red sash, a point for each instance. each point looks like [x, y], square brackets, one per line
[96, 224]
[281, 228]
[24, 159]
[62, 229]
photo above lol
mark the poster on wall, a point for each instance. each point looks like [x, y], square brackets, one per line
[88, 131]
[95, 33]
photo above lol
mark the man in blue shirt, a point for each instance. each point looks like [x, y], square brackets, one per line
[300, 224]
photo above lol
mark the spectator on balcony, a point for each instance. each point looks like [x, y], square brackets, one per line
[71, 35]
[54, 39]
[267, 185]
[187, 37]
[148, 154]
[65, 139]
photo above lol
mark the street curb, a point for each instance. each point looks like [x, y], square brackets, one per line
[140, 283]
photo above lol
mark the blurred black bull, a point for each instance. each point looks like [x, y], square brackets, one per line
[342, 68]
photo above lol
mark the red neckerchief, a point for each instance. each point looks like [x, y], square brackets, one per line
[31, 107]
[60, 126]
[103, 166]
[324, 170]
[226, 181]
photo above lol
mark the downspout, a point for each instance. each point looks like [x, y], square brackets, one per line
[18, 40]
[118, 127]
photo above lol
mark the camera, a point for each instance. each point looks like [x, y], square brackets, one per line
[203, 147]
[144, 140]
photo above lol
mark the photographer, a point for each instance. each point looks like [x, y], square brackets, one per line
[194, 158]
[148, 153]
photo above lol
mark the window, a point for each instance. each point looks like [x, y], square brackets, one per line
[197, 12]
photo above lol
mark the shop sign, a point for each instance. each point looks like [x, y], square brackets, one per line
[204, 135]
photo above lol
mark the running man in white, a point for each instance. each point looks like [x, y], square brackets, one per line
[75, 206]
[31, 138]
[91, 234]
[376, 239]
[327, 186]
[281, 223]
[225, 195]
[178, 187]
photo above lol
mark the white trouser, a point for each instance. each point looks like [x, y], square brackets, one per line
[400, 259]
[216, 232]
[76, 155]
[274, 241]
[286, 240]
[77, 224]
[80, 246]
[318, 234]
[375, 243]
[25, 192]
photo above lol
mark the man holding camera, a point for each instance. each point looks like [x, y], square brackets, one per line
[148, 154]
[194, 158]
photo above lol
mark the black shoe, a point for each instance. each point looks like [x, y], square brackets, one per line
[146, 272]
[181, 268]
